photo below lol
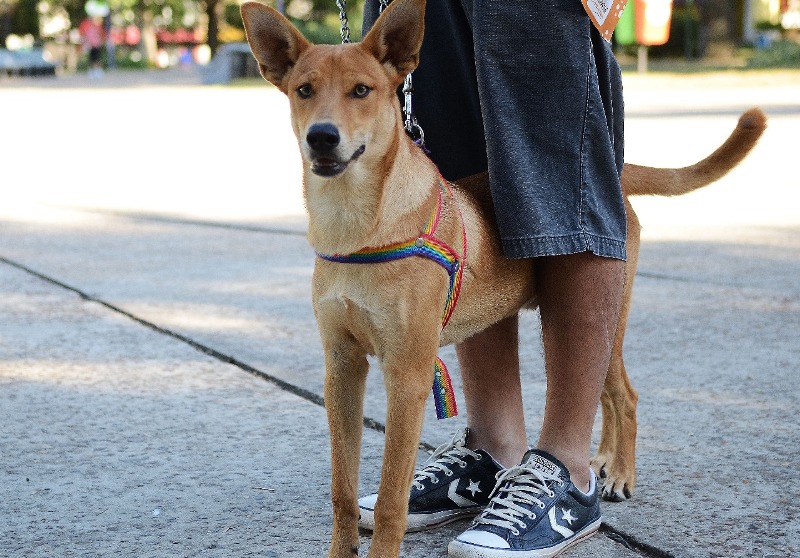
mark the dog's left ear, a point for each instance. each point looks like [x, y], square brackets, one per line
[275, 42]
[396, 37]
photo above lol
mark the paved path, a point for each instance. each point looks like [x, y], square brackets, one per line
[160, 370]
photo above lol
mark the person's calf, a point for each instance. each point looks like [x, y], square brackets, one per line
[580, 297]
[492, 392]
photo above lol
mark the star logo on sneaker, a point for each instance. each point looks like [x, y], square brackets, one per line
[459, 500]
[560, 529]
[567, 516]
[474, 487]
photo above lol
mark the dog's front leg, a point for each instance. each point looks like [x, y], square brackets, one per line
[408, 383]
[345, 378]
[616, 457]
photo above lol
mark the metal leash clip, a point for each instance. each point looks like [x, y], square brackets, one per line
[412, 127]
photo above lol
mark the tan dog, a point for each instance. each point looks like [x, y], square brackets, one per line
[366, 184]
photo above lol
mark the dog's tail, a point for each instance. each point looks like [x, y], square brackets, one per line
[638, 180]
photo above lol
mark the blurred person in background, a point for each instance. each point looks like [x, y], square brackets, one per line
[93, 36]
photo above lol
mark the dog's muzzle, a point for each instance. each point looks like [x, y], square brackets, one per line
[323, 142]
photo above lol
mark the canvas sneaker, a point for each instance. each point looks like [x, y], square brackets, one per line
[535, 512]
[455, 482]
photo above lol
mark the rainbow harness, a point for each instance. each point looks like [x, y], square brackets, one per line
[426, 245]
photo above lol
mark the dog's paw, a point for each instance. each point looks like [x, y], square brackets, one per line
[616, 487]
[615, 491]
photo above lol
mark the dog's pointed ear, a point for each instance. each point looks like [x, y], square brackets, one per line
[275, 42]
[396, 37]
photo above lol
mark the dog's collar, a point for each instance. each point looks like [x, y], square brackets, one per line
[425, 245]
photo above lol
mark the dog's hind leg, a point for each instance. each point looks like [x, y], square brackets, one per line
[408, 384]
[616, 457]
[346, 370]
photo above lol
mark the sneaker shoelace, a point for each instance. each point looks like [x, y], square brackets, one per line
[446, 456]
[518, 489]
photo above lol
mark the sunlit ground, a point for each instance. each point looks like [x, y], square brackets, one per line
[228, 153]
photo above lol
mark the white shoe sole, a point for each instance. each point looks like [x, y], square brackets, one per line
[458, 549]
[420, 522]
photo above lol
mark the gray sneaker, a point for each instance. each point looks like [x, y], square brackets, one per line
[455, 482]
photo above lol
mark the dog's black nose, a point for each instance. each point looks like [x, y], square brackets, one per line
[322, 137]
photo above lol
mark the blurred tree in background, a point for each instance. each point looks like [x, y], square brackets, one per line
[216, 20]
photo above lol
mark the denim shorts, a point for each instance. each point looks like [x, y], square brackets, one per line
[529, 91]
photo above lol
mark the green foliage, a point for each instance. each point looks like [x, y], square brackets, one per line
[125, 62]
[232, 15]
[25, 18]
[319, 32]
[781, 54]
[768, 26]
[317, 19]
[122, 59]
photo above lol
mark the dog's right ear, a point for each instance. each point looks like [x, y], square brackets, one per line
[275, 42]
[396, 36]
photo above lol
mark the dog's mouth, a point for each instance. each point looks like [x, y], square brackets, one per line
[327, 166]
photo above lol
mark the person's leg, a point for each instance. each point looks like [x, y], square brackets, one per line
[580, 296]
[489, 364]
[554, 151]
[551, 500]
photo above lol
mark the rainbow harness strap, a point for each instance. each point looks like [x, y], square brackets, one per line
[426, 245]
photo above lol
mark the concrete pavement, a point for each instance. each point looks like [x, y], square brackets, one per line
[160, 370]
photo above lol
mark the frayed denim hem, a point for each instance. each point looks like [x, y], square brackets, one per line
[515, 248]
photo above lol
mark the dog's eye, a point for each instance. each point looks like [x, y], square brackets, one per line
[305, 91]
[360, 91]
